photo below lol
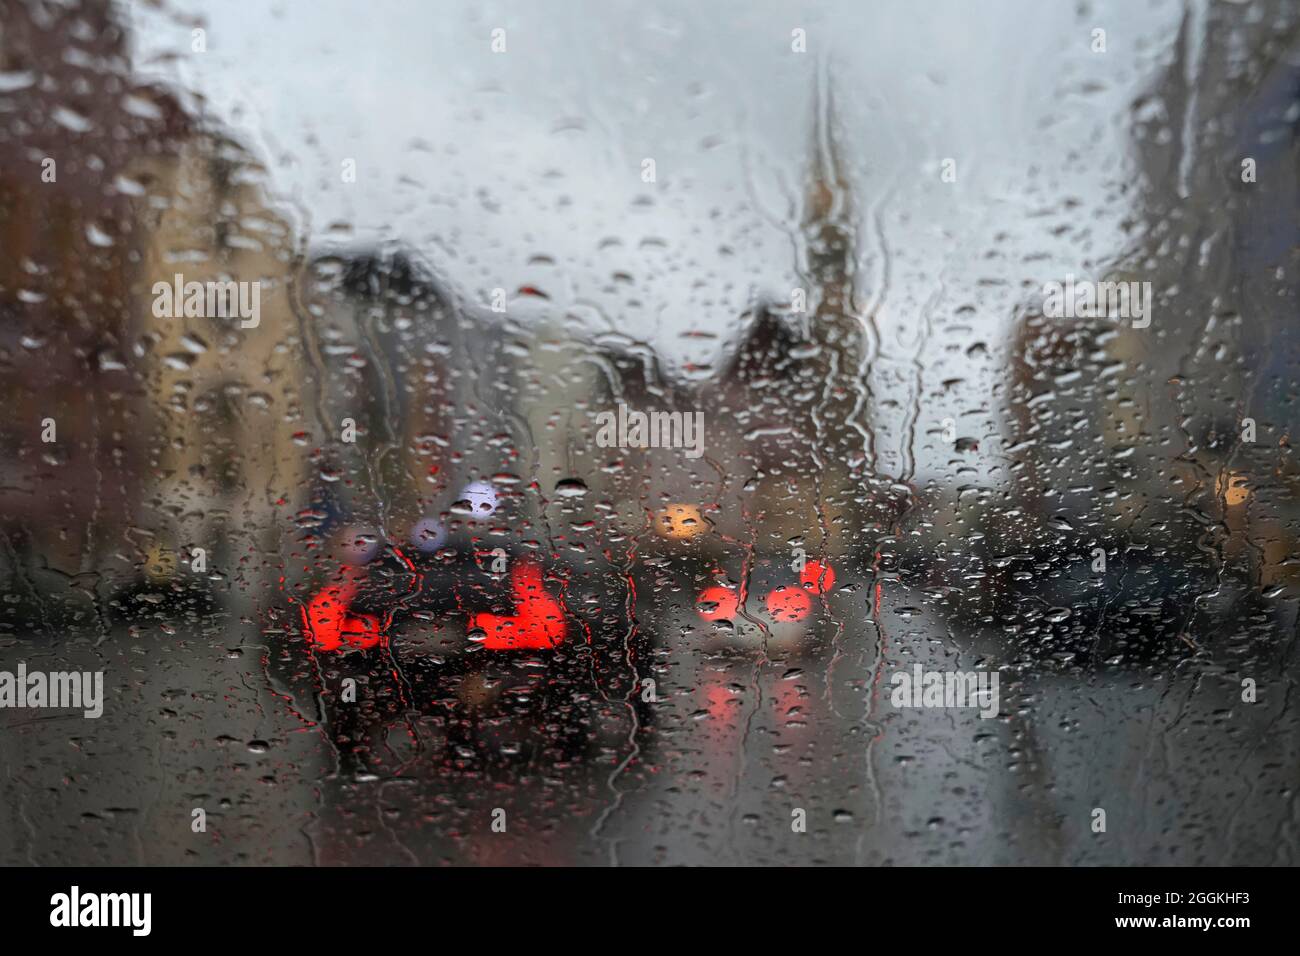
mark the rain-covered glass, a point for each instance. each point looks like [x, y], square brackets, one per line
[649, 433]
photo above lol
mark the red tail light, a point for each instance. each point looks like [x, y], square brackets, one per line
[538, 621]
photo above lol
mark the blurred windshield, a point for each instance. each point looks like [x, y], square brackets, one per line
[754, 433]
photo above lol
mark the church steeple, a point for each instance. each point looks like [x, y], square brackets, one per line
[828, 266]
[826, 225]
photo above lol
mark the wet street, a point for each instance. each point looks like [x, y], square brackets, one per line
[856, 434]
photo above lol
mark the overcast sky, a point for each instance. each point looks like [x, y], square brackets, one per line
[524, 168]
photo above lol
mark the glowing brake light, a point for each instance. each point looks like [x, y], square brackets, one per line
[817, 577]
[788, 604]
[717, 603]
[329, 624]
[538, 621]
